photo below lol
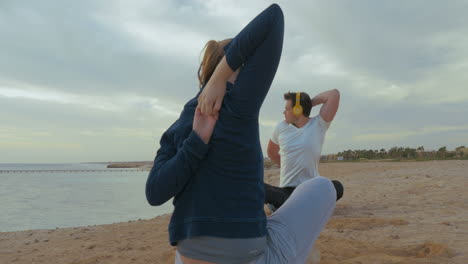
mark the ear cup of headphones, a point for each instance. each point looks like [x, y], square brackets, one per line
[297, 109]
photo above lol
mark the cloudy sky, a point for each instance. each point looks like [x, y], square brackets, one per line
[101, 80]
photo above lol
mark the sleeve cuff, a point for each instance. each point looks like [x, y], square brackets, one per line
[274, 140]
[196, 146]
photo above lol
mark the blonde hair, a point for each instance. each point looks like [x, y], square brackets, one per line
[213, 54]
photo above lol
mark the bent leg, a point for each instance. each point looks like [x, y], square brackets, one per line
[294, 228]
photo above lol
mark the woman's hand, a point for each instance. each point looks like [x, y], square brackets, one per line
[211, 98]
[204, 125]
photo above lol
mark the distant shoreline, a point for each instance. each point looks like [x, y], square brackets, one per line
[269, 164]
[131, 164]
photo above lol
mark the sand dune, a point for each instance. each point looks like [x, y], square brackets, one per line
[392, 212]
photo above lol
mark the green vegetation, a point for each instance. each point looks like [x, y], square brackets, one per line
[399, 154]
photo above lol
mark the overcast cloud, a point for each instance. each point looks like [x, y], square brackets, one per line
[102, 80]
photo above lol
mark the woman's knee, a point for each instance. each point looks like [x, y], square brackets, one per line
[325, 187]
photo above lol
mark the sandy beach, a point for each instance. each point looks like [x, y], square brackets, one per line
[391, 212]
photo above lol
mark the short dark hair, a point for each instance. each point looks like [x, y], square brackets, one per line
[305, 101]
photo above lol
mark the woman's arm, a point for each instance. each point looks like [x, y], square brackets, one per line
[330, 100]
[257, 48]
[173, 168]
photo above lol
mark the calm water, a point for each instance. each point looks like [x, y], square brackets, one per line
[44, 200]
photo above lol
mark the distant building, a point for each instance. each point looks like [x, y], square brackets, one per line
[328, 157]
[462, 150]
[340, 158]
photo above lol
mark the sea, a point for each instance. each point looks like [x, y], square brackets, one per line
[49, 196]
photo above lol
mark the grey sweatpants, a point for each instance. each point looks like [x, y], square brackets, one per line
[295, 226]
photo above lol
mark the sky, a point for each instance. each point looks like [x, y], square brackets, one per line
[96, 80]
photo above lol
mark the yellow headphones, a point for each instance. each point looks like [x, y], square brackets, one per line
[297, 109]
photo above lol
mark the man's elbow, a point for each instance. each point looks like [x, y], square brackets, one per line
[336, 93]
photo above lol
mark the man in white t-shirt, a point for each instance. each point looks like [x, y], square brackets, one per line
[296, 143]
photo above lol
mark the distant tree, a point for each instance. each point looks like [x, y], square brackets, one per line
[441, 153]
[369, 154]
[383, 153]
[406, 153]
[394, 152]
[410, 153]
[402, 153]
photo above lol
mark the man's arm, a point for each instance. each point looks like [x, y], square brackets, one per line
[273, 153]
[330, 100]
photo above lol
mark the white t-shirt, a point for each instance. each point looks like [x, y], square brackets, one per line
[300, 150]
